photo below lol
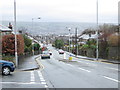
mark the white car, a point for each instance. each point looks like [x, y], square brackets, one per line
[61, 51]
[45, 54]
[50, 52]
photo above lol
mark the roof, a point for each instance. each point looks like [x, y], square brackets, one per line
[86, 36]
[5, 29]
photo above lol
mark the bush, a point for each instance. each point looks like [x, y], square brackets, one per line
[113, 40]
[59, 44]
[9, 58]
[28, 44]
[36, 47]
[8, 44]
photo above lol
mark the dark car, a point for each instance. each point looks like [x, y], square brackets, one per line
[6, 67]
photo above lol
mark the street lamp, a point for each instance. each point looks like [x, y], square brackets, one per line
[32, 29]
[97, 53]
[16, 55]
[69, 38]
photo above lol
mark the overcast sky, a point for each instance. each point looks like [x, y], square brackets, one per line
[61, 10]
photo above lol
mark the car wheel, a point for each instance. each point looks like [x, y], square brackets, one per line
[5, 70]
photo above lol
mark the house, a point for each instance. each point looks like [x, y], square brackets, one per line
[87, 36]
[4, 30]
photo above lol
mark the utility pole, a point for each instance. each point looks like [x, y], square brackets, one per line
[76, 42]
[69, 39]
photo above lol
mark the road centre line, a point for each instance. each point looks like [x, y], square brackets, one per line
[87, 63]
[70, 65]
[111, 79]
[112, 68]
[84, 69]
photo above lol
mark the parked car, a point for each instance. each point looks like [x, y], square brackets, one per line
[45, 54]
[6, 67]
[61, 51]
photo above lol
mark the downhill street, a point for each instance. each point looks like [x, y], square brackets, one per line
[79, 73]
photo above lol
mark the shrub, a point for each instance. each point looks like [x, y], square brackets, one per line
[8, 44]
[113, 40]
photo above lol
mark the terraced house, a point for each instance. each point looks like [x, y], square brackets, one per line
[3, 31]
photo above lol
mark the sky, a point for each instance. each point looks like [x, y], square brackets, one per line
[60, 10]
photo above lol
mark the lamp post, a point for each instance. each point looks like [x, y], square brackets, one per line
[69, 38]
[1, 45]
[16, 55]
[32, 29]
[97, 53]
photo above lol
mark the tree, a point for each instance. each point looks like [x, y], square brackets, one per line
[59, 44]
[28, 44]
[36, 47]
[8, 44]
[113, 40]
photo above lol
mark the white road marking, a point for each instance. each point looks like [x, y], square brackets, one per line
[111, 79]
[70, 65]
[63, 63]
[20, 83]
[42, 79]
[79, 61]
[87, 63]
[40, 75]
[32, 76]
[46, 86]
[84, 69]
[112, 68]
[43, 82]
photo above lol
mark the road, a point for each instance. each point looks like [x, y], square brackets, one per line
[79, 73]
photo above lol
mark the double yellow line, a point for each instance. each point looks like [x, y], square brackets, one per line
[37, 59]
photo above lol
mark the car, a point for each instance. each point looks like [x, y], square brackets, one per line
[50, 52]
[45, 54]
[6, 67]
[61, 51]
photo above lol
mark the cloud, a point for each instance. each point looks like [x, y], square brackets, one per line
[66, 10]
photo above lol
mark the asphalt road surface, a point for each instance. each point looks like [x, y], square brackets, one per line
[79, 73]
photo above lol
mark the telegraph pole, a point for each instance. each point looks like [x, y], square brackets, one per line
[76, 42]
[69, 39]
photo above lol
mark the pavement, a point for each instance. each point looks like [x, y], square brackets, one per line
[28, 63]
[27, 76]
[93, 59]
